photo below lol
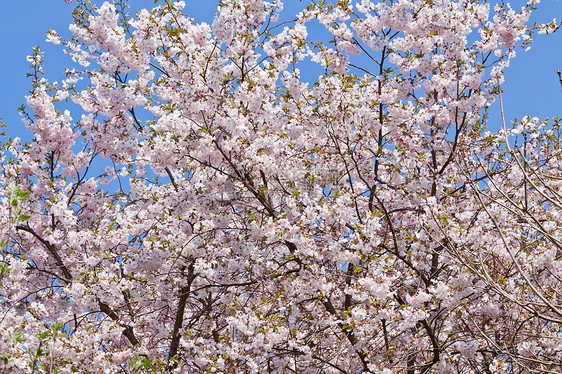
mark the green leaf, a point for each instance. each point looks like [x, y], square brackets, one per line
[6, 358]
[4, 270]
[16, 337]
[57, 326]
[140, 362]
[24, 217]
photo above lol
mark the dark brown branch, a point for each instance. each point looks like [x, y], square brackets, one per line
[349, 334]
[246, 179]
[435, 345]
[128, 330]
[128, 303]
[348, 278]
[299, 353]
[455, 144]
[385, 332]
[411, 364]
[178, 322]
[79, 181]
[52, 250]
[171, 178]
[329, 364]
[160, 70]
[137, 124]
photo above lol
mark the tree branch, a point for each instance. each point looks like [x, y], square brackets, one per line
[52, 250]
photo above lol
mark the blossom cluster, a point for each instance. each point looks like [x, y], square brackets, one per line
[208, 208]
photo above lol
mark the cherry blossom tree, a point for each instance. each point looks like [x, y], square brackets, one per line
[192, 203]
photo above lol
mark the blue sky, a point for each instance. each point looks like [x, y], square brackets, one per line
[532, 86]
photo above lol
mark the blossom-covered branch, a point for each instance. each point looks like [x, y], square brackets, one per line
[194, 202]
